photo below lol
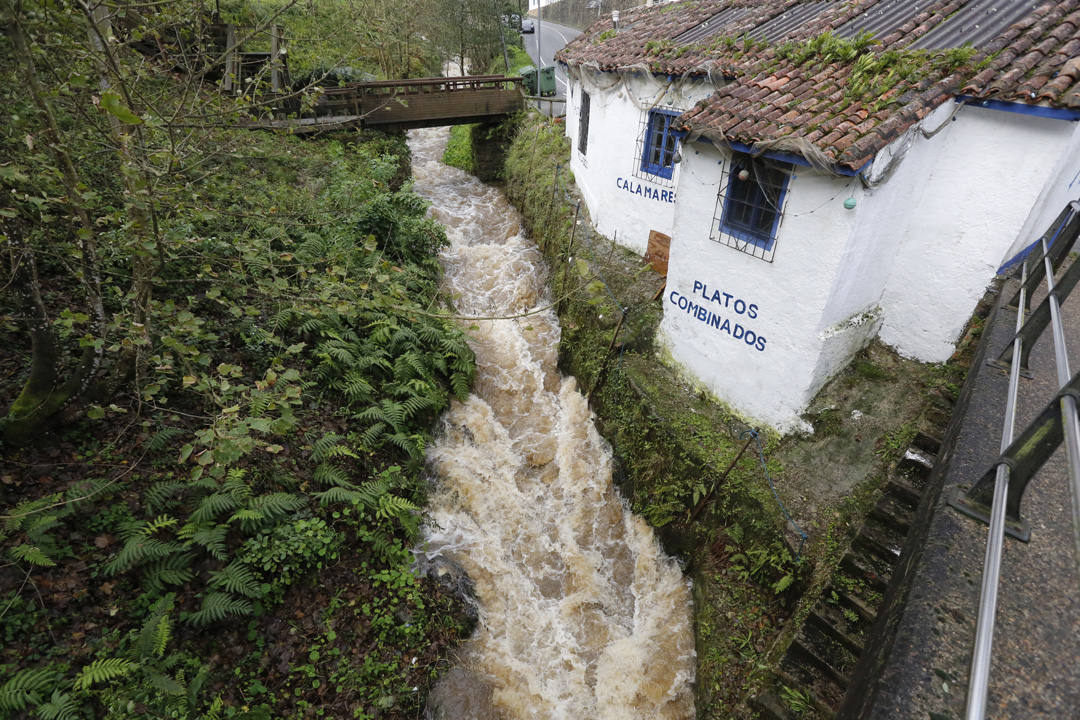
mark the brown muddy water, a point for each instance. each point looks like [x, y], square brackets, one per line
[581, 614]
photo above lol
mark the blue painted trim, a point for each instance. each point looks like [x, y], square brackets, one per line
[657, 115]
[790, 158]
[744, 235]
[1017, 258]
[1021, 108]
[1022, 255]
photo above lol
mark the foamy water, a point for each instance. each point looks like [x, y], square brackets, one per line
[581, 613]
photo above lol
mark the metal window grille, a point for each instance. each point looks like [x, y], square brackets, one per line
[583, 124]
[657, 142]
[750, 205]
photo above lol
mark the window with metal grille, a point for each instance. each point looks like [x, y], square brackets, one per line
[660, 143]
[583, 124]
[750, 205]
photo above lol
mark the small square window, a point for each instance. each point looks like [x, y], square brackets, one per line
[750, 205]
[660, 143]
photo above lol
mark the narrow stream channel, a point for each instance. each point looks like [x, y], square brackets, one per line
[581, 614]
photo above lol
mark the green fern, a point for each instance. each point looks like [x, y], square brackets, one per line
[172, 570]
[217, 606]
[164, 493]
[237, 579]
[159, 523]
[25, 688]
[327, 474]
[211, 537]
[275, 505]
[213, 506]
[61, 706]
[33, 555]
[156, 632]
[161, 439]
[139, 550]
[103, 670]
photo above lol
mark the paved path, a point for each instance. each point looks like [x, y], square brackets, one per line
[551, 38]
[1036, 666]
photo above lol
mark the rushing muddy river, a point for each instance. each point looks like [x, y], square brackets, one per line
[582, 615]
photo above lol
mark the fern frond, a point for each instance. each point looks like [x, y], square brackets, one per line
[329, 474]
[213, 505]
[274, 505]
[25, 512]
[160, 440]
[370, 437]
[139, 550]
[172, 570]
[461, 384]
[157, 630]
[103, 670]
[61, 706]
[38, 527]
[393, 507]
[218, 606]
[211, 537]
[236, 578]
[338, 495]
[164, 493]
[25, 688]
[166, 684]
[159, 523]
[33, 555]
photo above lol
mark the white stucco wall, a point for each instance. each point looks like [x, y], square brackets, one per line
[1061, 187]
[624, 206]
[952, 209]
[770, 381]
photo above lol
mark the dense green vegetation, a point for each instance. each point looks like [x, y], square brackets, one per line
[225, 352]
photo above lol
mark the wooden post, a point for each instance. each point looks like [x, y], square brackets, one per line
[566, 257]
[601, 375]
[708, 495]
[276, 85]
[229, 78]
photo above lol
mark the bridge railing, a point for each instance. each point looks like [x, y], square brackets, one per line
[363, 99]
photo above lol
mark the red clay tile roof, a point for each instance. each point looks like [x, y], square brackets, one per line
[836, 111]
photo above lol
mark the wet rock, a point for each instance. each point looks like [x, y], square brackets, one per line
[461, 694]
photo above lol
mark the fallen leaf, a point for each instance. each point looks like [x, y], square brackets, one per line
[102, 541]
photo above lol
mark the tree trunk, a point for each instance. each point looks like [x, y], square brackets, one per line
[41, 399]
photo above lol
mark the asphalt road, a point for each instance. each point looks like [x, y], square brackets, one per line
[551, 37]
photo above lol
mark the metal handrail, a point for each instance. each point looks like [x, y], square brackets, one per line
[995, 541]
[1069, 426]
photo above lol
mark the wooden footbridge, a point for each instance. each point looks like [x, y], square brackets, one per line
[384, 104]
[401, 104]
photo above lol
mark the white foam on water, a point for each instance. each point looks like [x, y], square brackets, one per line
[581, 613]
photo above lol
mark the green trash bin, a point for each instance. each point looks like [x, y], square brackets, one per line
[547, 80]
[528, 73]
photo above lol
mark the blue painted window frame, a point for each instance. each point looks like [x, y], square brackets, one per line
[750, 195]
[661, 143]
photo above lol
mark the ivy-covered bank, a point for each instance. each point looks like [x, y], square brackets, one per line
[697, 472]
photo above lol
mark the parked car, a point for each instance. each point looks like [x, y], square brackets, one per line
[528, 26]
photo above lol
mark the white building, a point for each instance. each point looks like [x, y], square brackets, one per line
[818, 193]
